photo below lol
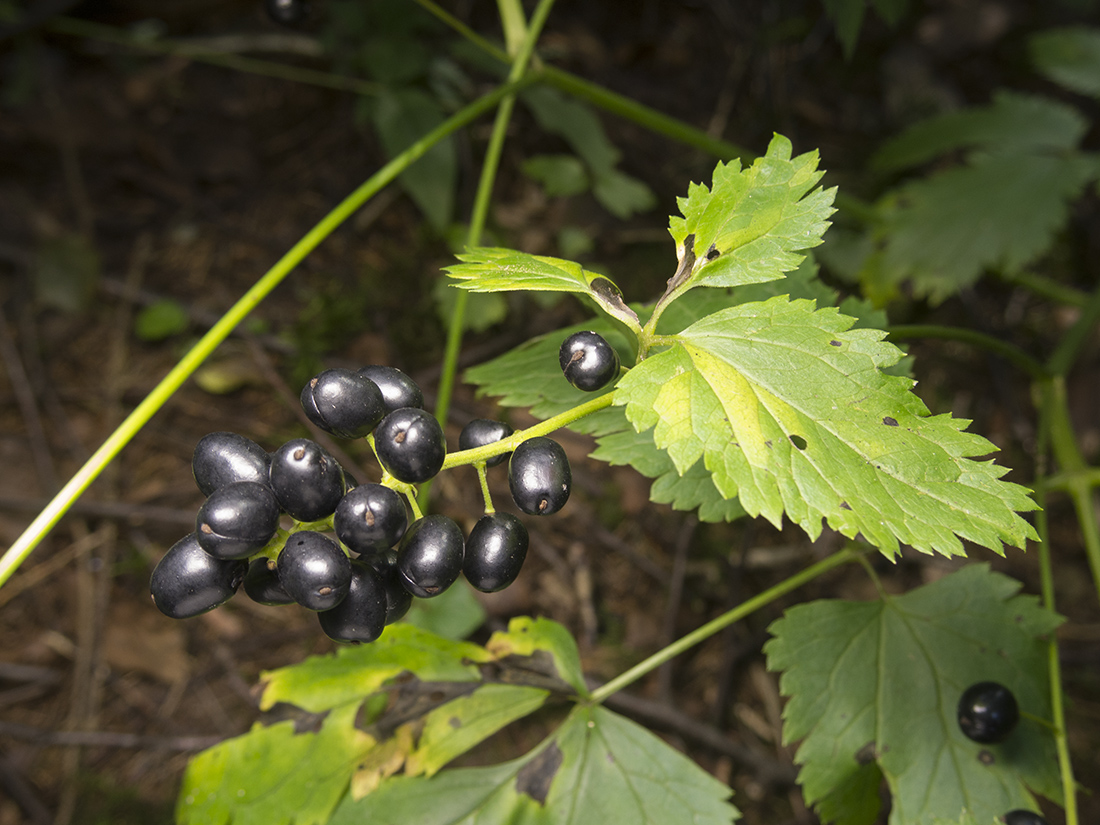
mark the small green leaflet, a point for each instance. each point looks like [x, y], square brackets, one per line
[874, 688]
[493, 269]
[750, 225]
[596, 767]
[847, 17]
[789, 410]
[408, 703]
[1013, 122]
[1069, 57]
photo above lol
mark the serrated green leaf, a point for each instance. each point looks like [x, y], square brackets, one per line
[402, 117]
[750, 225]
[1001, 212]
[847, 17]
[622, 195]
[596, 767]
[493, 269]
[879, 682]
[1012, 123]
[790, 411]
[408, 703]
[1069, 57]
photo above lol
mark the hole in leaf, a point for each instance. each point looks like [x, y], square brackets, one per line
[798, 442]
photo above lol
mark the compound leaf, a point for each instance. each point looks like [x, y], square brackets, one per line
[1069, 57]
[596, 767]
[790, 411]
[750, 225]
[409, 703]
[874, 687]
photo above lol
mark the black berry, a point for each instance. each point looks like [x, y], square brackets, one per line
[430, 556]
[539, 476]
[237, 520]
[495, 550]
[481, 432]
[361, 616]
[343, 402]
[588, 361]
[261, 584]
[307, 481]
[1022, 817]
[370, 519]
[223, 458]
[410, 445]
[398, 390]
[189, 581]
[398, 599]
[988, 712]
[314, 571]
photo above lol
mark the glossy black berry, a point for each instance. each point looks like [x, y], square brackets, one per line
[588, 361]
[343, 402]
[189, 581]
[429, 559]
[398, 599]
[398, 390]
[988, 712]
[361, 616]
[237, 520]
[223, 458]
[1022, 817]
[495, 550]
[306, 480]
[287, 12]
[370, 519]
[314, 570]
[261, 584]
[410, 445]
[539, 476]
[481, 432]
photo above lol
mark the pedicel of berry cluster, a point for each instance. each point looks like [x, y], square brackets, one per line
[353, 555]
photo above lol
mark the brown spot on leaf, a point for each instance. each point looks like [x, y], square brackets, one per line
[712, 253]
[834, 343]
[890, 422]
[408, 699]
[986, 757]
[304, 721]
[866, 754]
[536, 777]
[798, 441]
[455, 722]
[845, 505]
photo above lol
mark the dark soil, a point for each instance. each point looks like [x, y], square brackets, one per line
[134, 177]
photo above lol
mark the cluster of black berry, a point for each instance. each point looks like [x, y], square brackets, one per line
[366, 577]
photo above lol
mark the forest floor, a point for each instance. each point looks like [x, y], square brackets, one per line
[127, 178]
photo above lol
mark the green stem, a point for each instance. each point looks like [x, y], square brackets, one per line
[1065, 481]
[1013, 354]
[483, 477]
[156, 399]
[1062, 360]
[507, 445]
[1046, 288]
[203, 54]
[710, 628]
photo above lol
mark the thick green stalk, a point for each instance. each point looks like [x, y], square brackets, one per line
[1046, 288]
[1013, 354]
[725, 620]
[156, 399]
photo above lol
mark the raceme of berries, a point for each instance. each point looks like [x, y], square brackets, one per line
[1022, 817]
[237, 520]
[189, 581]
[344, 403]
[361, 616]
[987, 712]
[314, 570]
[480, 433]
[588, 361]
[539, 476]
[495, 550]
[370, 519]
[223, 458]
[429, 559]
[306, 480]
[398, 390]
[410, 445]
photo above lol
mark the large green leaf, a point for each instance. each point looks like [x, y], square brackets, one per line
[750, 224]
[1013, 122]
[874, 687]
[790, 411]
[597, 767]
[408, 703]
[1001, 212]
[1070, 57]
